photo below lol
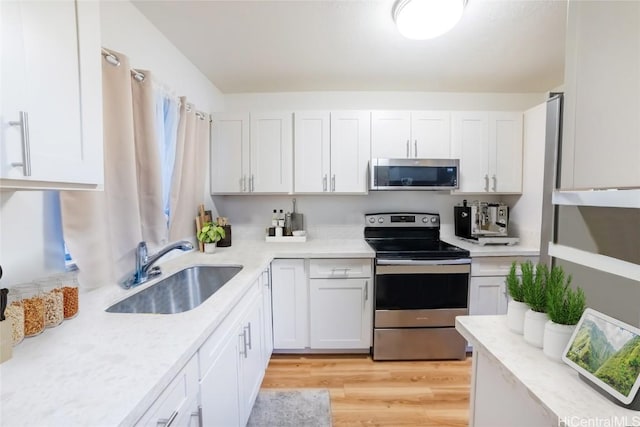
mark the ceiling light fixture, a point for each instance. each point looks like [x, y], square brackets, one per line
[426, 19]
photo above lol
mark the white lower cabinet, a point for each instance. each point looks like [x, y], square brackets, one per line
[267, 314]
[290, 299]
[488, 293]
[232, 364]
[178, 403]
[340, 313]
[330, 307]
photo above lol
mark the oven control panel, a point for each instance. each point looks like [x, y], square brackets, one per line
[430, 220]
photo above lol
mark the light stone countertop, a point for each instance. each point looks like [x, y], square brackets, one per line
[106, 369]
[490, 250]
[554, 385]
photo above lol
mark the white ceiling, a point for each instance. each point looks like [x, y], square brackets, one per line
[313, 45]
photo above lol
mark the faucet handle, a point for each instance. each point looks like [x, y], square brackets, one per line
[155, 271]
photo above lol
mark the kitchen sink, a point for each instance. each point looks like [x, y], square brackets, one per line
[182, 291]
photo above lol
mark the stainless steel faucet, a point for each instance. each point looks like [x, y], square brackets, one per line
[144, 263]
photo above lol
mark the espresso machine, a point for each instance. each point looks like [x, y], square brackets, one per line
[483, 223]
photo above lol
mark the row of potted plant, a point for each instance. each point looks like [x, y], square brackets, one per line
[544, 307]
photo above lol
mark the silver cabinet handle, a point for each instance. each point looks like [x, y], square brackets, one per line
[486, 183]
[252, 183]
[366, 290]
[26, 147]
[324, 182]
[166, 422]
[244, 183]
[495, 183]
[198, 414]
[248, 328]
[244, 343]
[333, 182]
[415, 146]
[408, 154]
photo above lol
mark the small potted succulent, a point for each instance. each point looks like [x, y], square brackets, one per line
[534, 287]
[210, 234]
[516, 307]
[564, 307]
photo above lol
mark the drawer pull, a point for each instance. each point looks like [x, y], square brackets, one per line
[248, 329]
[166, 422]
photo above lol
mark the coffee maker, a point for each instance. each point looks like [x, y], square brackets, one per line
[483, 223]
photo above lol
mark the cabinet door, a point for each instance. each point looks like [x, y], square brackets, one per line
[431, 134]
[267, 342]
[601, 129]
[290, 304]
[470, 143]
[505, 152]
[312, 154]
[340, 313]
[252, 360]
[271, 153]
[220, 387]
[56, 82]
[350, 151]
[390, 134]
[230, 153]
[487, 295]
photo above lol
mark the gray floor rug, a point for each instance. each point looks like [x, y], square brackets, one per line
[294, 408]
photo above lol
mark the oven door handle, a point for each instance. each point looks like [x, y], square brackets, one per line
[423, 261]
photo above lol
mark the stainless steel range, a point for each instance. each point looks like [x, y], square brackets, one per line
[421, 285]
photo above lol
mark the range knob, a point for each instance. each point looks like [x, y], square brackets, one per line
[434, 219]
[381, 220]
[425, 219]
[372, 219]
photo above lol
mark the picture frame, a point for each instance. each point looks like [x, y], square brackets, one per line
[606, 352]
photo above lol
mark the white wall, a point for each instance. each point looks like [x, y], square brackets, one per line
[382, 100]
[29, 220]
[125, 29]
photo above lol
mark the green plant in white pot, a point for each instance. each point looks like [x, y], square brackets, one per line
[564, 307]
[210, 234]
[535, 295]
[516, 307]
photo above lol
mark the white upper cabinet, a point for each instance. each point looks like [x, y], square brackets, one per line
[489, 146]
[601, 130]
[332, 151]
[271, 153]
[251, 153]
[51, 92]
[312, 142]
[403, 134]
[431, 134]
[390, 134]
[230, 153]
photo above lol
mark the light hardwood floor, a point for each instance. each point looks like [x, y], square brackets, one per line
[363, 392]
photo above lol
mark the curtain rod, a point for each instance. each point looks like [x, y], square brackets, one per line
[113, 59]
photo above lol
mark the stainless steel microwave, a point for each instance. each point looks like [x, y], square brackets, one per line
[414, 174]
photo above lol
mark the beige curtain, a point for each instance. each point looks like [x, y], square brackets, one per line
[153, 221]
[189, 174]
[102, 229]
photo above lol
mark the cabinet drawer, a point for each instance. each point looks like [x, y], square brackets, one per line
[496, 266]
[175, 399]
[339, 268]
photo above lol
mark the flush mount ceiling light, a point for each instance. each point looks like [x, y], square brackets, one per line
[426, 19]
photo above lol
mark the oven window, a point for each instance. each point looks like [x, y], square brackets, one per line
[421, 291]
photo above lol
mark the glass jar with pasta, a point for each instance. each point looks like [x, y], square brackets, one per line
[14, 313]
[34, 310]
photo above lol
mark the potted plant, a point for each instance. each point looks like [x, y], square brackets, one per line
[564, 307]
[535, 295]
[210, 234]
[516, 307]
